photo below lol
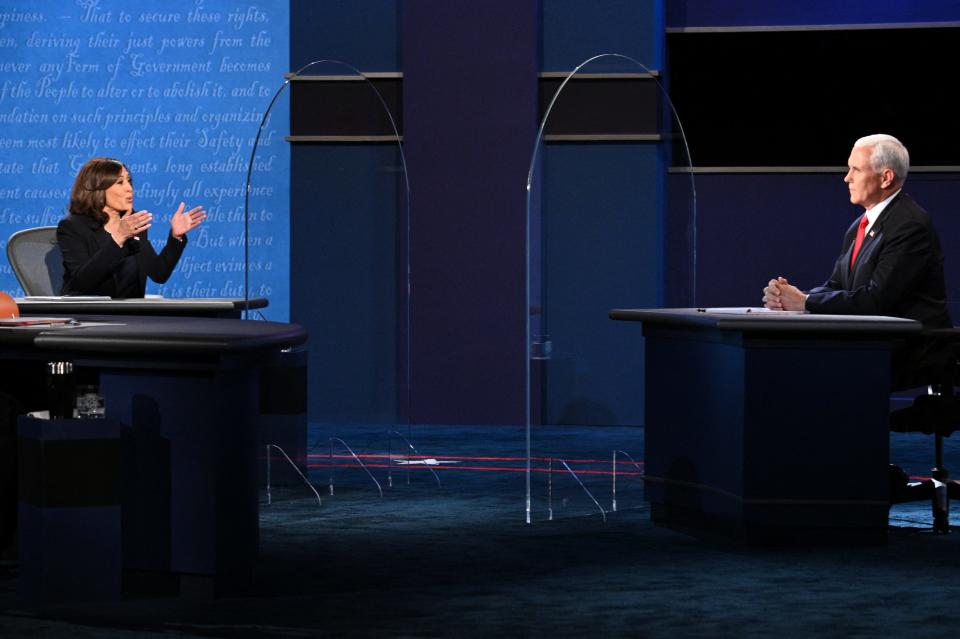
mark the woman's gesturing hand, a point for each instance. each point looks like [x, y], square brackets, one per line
[181, 222]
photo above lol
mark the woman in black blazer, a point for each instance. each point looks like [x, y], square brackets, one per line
[104, 242]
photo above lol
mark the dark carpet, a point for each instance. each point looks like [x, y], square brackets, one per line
[459, 560]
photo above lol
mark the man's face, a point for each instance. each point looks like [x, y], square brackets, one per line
[864, 183]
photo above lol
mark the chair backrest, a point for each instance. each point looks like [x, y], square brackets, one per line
[36, 260]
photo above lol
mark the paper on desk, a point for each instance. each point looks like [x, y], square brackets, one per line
[66, 298]
[742, 310]
[35, 321]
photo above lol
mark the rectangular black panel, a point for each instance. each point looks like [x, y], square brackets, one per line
[602, 105]
[801, 98]
[345, 106]
[591, 106]
[69, 473]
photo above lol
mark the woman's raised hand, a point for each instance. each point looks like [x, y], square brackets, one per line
[183, 221]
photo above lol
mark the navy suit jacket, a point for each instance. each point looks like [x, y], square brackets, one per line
[898, 272]
[91, 258]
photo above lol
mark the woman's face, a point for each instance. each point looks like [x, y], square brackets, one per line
[119, 197]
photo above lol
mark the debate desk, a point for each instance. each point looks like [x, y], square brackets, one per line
[287, 376]
[769, 425]
[185, 391]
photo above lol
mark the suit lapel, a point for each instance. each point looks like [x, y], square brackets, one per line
[845, 268]
[846, 274]
[870, 240]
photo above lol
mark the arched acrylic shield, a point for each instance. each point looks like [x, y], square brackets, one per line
[349, 253]
[611, 222]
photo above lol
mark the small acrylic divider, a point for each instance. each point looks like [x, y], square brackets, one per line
[579, 178]
[359, 224]
[575, 486]
[379, 454]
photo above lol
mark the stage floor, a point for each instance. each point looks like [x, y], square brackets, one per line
[458, 559]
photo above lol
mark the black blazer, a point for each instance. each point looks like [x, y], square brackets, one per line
[898, 272]
[91, 259]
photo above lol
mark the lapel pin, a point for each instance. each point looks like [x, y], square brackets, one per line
[871, 233]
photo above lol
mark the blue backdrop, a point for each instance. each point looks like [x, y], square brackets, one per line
[173, 88]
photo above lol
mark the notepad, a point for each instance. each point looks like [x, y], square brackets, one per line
[35, 321]
[67, 298]
[743, 310]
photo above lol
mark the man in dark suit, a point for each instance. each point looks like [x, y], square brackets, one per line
[890, 262]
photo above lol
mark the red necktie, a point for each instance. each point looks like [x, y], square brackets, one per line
[856, 245]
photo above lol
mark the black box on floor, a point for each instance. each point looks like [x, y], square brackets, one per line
[69, 509]
[282, 421]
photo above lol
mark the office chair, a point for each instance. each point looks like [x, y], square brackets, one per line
[937, 414]
[36, 260]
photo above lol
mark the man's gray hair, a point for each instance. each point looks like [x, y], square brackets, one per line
[888, 153]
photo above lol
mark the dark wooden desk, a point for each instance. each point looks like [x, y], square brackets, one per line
[183, 307]
[185, 391]
[768, 425]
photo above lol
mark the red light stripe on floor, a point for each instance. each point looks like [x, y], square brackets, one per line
[519, 469]
[468, 457]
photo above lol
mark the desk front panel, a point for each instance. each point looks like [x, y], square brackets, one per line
[767, 431]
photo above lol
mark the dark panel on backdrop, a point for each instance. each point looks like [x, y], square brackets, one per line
[345, 106]
[591, 105]
[604, 105]
[800, 98]
[470, 114]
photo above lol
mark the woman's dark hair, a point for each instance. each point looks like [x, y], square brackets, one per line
[88, 196]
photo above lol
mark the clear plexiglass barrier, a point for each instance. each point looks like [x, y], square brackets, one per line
[601, 208]
[348, 240]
